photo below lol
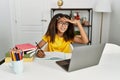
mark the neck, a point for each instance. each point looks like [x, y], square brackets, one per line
[60, 34]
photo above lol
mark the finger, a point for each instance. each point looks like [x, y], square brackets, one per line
[72, 19]
[66, 19]
[40, 55]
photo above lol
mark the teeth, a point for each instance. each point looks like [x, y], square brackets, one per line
[62, 29]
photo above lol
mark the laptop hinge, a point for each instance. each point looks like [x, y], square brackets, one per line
[2, 61]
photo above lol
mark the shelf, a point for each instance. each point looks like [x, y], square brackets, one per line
[88, 9]
[87, 25]
[84, 14]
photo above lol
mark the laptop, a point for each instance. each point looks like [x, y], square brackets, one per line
[82, 57]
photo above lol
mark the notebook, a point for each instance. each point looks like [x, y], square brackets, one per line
[25, 46]
[82, 57]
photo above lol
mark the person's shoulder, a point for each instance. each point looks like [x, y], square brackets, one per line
[45, 37]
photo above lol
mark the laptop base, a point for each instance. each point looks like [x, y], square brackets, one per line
[64, 64]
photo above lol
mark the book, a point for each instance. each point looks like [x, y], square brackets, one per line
[30, 51]
[55, 56]
[28, 59]
[25, 55]
[50, 55]
[25, 46]
[8, 59]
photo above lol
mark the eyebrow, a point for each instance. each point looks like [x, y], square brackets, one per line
[63, 21]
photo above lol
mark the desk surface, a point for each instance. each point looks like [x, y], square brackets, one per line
[108, 69]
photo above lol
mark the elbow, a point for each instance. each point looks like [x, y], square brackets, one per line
[86, 41]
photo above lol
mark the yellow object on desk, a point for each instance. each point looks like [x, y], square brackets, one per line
[8, 59]
[26, 58]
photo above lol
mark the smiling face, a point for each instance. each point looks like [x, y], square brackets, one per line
[62, 25]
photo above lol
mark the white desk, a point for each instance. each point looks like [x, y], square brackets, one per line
[108, 69]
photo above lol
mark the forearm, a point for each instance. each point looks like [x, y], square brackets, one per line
[83, 34]
[41, 44]
[83, 38]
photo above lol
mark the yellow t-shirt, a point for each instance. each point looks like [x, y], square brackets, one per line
[60, 45]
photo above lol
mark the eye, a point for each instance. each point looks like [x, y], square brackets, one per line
[60, 22]
[66, 24]
[63, 23]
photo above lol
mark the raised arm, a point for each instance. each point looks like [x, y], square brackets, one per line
[82, 38]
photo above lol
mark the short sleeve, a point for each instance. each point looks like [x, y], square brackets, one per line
[45, 38]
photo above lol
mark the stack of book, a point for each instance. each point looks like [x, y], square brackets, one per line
[27, 48]
[28, 52]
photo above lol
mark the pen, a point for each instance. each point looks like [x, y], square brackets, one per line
[38, 45]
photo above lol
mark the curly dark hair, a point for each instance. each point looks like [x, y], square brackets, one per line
[52, 29]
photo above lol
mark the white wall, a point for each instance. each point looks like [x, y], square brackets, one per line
[80, 4]
[5, 28]
[114, 36]
[5, 23]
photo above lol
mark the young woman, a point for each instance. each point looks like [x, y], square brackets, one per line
[60, 34]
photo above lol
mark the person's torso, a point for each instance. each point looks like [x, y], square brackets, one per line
[59, 45]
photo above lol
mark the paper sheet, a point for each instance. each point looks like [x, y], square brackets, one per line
[56, 56]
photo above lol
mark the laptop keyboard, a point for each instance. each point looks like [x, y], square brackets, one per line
[64, 62]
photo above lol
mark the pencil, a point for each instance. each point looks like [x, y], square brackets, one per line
[38, 45]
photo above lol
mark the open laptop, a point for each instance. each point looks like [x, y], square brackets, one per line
[82, 57]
